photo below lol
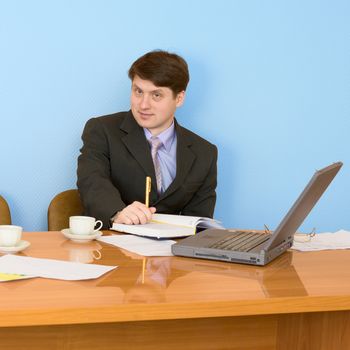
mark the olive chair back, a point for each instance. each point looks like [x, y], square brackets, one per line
[62, 206]
[5, 215]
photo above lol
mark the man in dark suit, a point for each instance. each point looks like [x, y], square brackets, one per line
[120, 150]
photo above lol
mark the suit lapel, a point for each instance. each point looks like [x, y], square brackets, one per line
[184, 159]
[135, 141]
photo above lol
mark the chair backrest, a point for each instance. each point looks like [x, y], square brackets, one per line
[62, 206]
[5, 215]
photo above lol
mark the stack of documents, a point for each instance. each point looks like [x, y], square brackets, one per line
[325, 241]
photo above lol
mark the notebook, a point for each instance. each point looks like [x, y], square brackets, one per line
[166, 226]
[254, 247]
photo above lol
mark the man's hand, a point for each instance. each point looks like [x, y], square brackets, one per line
[135, 214]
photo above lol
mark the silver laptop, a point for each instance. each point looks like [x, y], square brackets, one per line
[254, 247]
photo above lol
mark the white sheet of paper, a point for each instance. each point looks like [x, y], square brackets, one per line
[49, 268]
[140, 245]
[325, 241]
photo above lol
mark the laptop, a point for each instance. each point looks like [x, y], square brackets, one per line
[253, 247]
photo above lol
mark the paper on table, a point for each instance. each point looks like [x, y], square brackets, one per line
[48, 268]
[140, 245]
[325, 241]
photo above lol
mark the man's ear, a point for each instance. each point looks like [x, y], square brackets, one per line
[180, 98]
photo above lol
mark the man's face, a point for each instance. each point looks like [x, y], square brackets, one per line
[152, 106]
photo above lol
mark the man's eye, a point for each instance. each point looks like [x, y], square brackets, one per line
[138, 92]
[157, 96]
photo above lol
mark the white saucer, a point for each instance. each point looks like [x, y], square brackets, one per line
[80, 238]
[21, 245]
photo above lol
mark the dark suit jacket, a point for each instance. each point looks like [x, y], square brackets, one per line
[116, 158]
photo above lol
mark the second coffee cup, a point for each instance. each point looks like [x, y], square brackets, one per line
[10, 235]
[84, 225]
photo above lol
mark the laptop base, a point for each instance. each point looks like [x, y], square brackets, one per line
[190, 247]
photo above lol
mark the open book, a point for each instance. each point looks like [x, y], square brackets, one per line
[168, 226]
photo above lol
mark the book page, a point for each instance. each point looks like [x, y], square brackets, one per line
[156, 230]
[181, 220]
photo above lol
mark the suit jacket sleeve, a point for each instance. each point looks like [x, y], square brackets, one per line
[101, 199]
[203, 202]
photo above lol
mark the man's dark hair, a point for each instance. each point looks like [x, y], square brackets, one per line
[163, 69]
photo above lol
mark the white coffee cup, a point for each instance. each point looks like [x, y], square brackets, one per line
[10, 235]
[84, 225]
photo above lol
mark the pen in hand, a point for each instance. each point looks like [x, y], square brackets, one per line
[136, 212]
[148, 190]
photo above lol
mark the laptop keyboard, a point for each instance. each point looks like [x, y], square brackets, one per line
[241, 241]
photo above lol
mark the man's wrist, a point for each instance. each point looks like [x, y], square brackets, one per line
[111, 220]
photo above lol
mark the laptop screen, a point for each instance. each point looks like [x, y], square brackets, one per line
[303, 205]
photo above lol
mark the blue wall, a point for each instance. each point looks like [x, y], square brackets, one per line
[270, 85]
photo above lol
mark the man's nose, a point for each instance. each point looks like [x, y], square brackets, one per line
[145, 103]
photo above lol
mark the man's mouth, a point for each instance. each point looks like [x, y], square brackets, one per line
[145, 115]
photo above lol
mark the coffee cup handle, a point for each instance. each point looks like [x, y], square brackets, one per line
[100, 223]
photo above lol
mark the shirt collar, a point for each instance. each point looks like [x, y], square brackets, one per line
[166, 136]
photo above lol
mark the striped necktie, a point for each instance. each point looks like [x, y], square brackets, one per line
[155, 144]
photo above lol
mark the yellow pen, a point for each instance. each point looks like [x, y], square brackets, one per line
[148, 190]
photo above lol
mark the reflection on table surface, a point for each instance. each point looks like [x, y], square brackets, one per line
[172, 279]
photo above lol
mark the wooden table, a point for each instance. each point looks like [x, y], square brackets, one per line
[299, 301]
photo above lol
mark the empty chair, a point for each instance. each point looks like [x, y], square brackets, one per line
[5, 215]
[62, 206]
